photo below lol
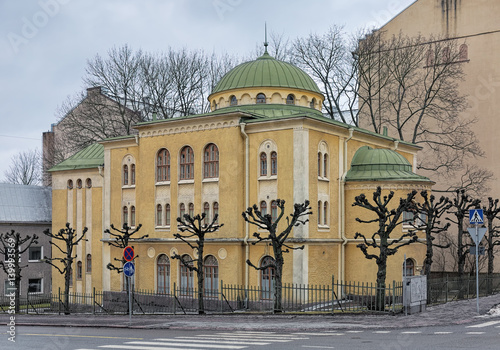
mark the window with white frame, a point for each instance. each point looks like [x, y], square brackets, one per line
[35, 285]
[35, 254]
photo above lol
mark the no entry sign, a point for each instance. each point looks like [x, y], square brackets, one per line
[128, 253]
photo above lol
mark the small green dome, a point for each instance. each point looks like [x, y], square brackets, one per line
[266, 71]
[378, 164]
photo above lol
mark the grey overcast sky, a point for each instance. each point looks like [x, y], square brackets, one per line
[44, 44]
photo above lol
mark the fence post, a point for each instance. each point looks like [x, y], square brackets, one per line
[93, 304]
[27, 300]
[59, 300]
[393, 297]
[446, 289]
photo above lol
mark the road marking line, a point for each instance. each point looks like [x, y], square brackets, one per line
[262, 336]
[318, 347]
[320, 334]
[80, 336]
[486, 324]
[132, 347]
[354, 331]
[443, 332]
[212, 337]
[210, 346]
[190, 339]
[475, 333]
[382, 332]
[411, 332]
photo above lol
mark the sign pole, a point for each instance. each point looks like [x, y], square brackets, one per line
[129, 299]
[477, 269]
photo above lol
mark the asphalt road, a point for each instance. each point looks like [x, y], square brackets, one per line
[482, 334]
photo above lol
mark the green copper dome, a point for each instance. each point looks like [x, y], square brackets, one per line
[370, 164]
[266, 71]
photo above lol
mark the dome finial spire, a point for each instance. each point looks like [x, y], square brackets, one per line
[266, 44]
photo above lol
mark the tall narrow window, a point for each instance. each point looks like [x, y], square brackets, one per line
[167, 214]
[410, 267]
[125, 215]
[290, 100]
[159, 215]
[261, 98]
[274, 163]
[313, 103]
[125, 174]
[163, 165]
[79, 270]
[187, 163]
[70, 184]
[191, 209]
[463, 53]
[274, 210]
[234, 100]
[206, 211]
[187, 276]
[325, 213]
[216, 211]
[132, 174]
[211, 161]
[319, 212]
[132, 216]
[429, 60]
[88, 183]
[88, 265]
[211, 267]
[319, 164]
[79, 183]
[263, 208]
[325, 165]
[267, 277]
[163, 274]
[263, 164]
[446, 55]
[182, 210]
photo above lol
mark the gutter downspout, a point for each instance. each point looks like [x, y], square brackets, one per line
[247, 199]
[342, 208]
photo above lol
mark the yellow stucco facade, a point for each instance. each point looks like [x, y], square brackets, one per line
[266, 152]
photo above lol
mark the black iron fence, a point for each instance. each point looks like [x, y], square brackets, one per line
[443, 290]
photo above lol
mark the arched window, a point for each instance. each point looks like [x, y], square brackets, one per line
[290, 100]
[325, 165]
[313, 103]
[429, 59]
[163, 274]
[319, 164]
[88, 183]
[234, 100]
[125, 175]
[211, 161]
[88, 265]
[325, 213]
[132, 216]
[410, 267]
[187, 276]
[79, 183]
[274, 210]
[274, 163]
[446, 55]
[187, 163]
[206, 211]
[163, 165]
[319, 212]
[214, 105]
[70, 184]
[125, 215]
[463, 52]
[159, 215]
[167, 214]
[191, 209]
[182, 210]
[211, 267]
[261, 98]
[79, 271]
[216, 211]
[132, 174]
[263, 208]
[267, 277]
[263, 164]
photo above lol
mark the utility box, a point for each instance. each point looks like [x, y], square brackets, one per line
[415, 294]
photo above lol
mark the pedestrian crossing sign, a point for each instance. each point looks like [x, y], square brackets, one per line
[476, 216]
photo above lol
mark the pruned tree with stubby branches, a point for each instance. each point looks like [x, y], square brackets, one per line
[65, 240]
[278, 241]
[12, 245]
[380, 245]
[432, 211]
[492, 213]
[120, 238]
[193, 234]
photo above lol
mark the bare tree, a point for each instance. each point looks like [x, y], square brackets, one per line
[196, 227]
[12, 246]
[25, 168]
[65, 240]
[381, 241]
[120, 238]
[277, 240]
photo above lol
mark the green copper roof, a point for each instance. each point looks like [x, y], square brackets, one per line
[90, 157]
[370, 164]
[266, 71]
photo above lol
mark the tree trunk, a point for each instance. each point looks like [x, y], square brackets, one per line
[491, 256]
[67, 278]
[201, 280]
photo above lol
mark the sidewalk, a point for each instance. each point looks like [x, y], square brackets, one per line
[458, 312]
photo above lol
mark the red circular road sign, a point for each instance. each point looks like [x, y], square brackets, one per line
[128, 253]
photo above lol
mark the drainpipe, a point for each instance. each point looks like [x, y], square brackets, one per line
[247, 199]
[342, 208]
